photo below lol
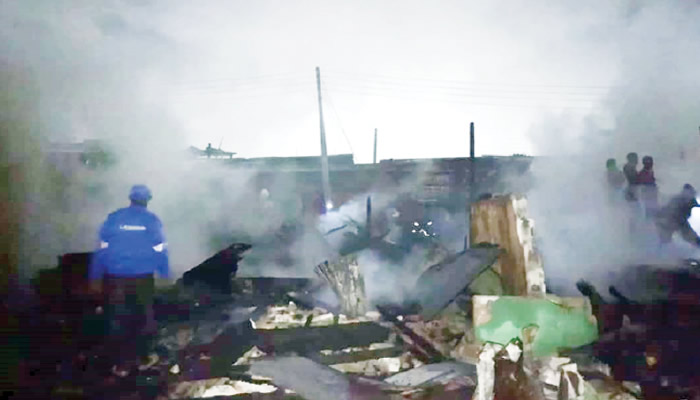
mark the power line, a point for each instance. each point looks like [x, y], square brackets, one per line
[245, 91]
[460, 82]
[330, 101]
[457, 101]
[460, 89]
[459, 93]
[253, 78]
[243, 87]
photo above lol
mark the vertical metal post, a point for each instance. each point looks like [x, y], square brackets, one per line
[472, 185]
[368, 221]
[324, 153]
[472, 176]
[374, 159]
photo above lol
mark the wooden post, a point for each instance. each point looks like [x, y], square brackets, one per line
[502, 220]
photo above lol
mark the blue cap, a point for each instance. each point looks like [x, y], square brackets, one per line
[140, 193]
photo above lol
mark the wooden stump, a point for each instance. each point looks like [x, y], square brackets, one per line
[503, 220]
[347, 282]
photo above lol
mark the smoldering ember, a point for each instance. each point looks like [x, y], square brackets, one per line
[429, 286]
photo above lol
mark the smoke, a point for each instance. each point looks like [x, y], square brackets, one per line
[79, 71]
[652, 109]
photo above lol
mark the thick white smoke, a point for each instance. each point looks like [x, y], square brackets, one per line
[86, 71]
[653, 109]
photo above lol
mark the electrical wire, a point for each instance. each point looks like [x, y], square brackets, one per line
[248, 79]
[454, 101]
[460, 82]
[473, 103]
[342, 130]
[469, 92]
[459, 93]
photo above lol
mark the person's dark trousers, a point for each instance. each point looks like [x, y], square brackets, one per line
[129, 314]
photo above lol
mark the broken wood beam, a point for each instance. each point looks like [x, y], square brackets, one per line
[347, 282]
[305, 340]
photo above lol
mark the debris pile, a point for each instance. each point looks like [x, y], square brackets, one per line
[477, 324]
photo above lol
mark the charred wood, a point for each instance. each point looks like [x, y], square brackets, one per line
[419, 346]
[347, 282]
[216, 271]
[305, 340]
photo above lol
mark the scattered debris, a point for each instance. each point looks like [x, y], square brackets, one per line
[313, 381]
[207, 388]
[291, 316]
[477, 324]
[429, 374]
[249, 356]
[377, 367]
[352, 355]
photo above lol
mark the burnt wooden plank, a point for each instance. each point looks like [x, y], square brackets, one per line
[305, 340]
[215, 272]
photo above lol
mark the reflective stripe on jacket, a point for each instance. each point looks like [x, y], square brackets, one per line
[131, 243]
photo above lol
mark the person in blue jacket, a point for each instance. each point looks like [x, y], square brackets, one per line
[132, 249]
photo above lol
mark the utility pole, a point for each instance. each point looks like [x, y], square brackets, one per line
[324, 153]
[472, 177]
[472, 185]
[374, 160]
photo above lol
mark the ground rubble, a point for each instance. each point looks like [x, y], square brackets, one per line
[466, 331]
[439, 357]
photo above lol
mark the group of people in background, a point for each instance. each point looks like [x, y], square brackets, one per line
[640, 192]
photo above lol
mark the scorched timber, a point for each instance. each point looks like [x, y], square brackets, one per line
[215, 272]
[419, 346]
[306, 340]
[347, 282]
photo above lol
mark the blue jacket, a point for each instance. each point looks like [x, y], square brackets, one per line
[131, 243]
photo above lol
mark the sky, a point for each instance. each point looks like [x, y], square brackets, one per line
[241, 74]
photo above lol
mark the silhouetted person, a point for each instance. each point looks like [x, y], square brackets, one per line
[648, 191]
[132, 248]
[616, 179]
[630, 171]
[209, 150]
[674, 216]
[319, 205]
